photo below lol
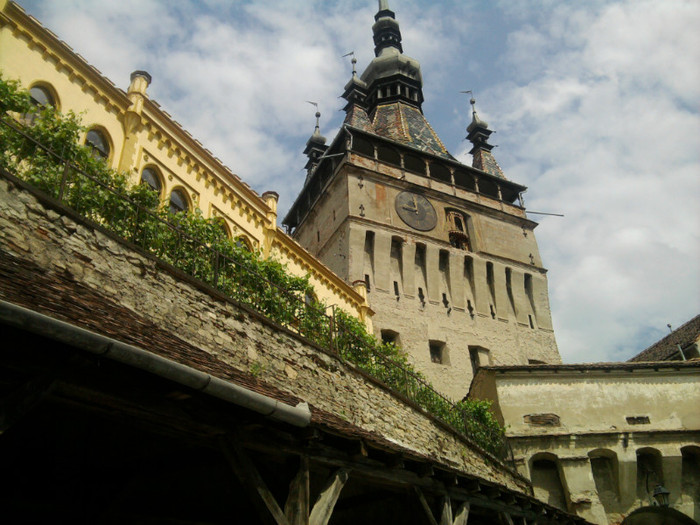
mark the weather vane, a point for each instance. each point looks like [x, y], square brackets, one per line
[354, 61]
[318, 113]
[472, 100]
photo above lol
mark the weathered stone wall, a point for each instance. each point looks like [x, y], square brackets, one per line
[592, 422]
[59, 245]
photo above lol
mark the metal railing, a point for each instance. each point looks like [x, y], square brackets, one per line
[161, 235]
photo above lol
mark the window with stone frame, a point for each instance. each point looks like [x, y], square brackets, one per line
[98, 141]
[178, 201]
[458, 229]
[390, 337]
[151, 177]
[438, 352]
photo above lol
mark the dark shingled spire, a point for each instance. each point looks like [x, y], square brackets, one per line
[478, 133]
[315, 146]
[386, 29]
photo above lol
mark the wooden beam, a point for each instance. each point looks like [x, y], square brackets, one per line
[508, 518]
[24, 399]
[462, 515]
[360, 450]
[446, 518]
[323, 508]
[249, 476]
[426, 507]
[296, 509]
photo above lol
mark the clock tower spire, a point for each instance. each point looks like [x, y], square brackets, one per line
[446, 251]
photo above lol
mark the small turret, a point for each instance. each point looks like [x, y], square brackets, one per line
[478, 133]
[315, 146]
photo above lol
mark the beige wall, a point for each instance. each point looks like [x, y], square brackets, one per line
[361, 198]
[576, 418]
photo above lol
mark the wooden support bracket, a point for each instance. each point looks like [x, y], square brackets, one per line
[249, 476]
[323, 508]
[296, 509]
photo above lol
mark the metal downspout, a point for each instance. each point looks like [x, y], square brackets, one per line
[127, 354]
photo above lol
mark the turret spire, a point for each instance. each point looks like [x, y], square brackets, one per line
[386, 29]
[478, 133]
[316, 145]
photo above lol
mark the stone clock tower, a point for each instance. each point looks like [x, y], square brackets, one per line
[446, 251]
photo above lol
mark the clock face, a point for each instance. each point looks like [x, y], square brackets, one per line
[416, 211]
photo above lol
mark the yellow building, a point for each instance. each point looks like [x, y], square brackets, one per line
[135, 135]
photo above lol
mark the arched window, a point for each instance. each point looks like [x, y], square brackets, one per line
[389, 155]
[604, 467]
[690, 476]
[98, 142]
[649, 472]
[390, 337]
[178, 201]
[361, 145]
[546, 480]
[221, 223]
[440, 172]
[464, 180]
[414, 163]
[151, 178]
[243, 242]
[458, 230]
[42, 96]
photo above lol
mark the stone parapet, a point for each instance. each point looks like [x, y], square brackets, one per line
[74, 255]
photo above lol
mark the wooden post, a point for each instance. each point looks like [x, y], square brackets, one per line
[446, 518]
[462, 514]
[426, 507]
[296, 510]
[323, 508]
[249, 476]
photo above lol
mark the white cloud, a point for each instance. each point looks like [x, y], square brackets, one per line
[601, 123]
[595, 104]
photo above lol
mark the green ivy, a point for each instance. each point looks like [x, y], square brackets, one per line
[200, 247]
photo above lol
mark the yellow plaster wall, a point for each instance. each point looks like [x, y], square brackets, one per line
[142, 135]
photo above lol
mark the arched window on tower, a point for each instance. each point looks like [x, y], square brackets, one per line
[389, 155]
[362, 146]
[458, 230]
[649, 472]
[414, 163]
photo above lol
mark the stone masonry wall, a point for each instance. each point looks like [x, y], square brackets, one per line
[60, 245]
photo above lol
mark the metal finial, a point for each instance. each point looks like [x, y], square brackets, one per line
[354, 61]
[472, 101]
[383, 5]
[669, 327]
[318, 114]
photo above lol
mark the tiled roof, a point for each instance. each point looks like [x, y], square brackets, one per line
[665, 348]
[358, 118]
[407, 125]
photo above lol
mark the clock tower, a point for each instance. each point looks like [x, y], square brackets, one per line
[445, 250]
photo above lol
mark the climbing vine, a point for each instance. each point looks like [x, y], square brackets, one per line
[45, 152]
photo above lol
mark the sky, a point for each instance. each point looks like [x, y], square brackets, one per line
[595, 104]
